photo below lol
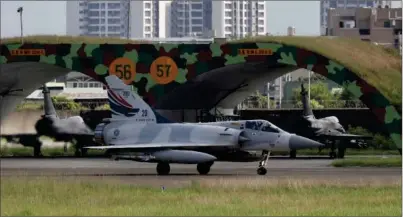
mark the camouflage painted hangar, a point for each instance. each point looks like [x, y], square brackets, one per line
[179, 77]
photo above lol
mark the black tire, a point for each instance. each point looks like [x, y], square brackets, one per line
[293, 154]
[163, 169]
[341, 152]
[204, 168]
[261, 171]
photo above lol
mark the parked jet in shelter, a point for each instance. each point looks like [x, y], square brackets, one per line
[327, 130]
[50, 125]
[136, 132]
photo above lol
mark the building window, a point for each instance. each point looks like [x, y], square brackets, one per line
[147, 5]
[261, 22]
[197, 14]
[103, 6]
[148, 35]
[113, 13]
[93, 28]
[228, 14]
[93, 6]
[147, 13]
[261, 14]
[228, 21]
[228, 29]
[93, 21]
[197, 21]
[113, 21]
[113, 28]
[197, 6]
[228, 6]
[261, 29]
[197, 29]
[147, 28]
[113, 5]
[93, 13]
[261, 6]
[147, 21]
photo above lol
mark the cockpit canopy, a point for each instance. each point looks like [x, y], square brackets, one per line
[262, 125]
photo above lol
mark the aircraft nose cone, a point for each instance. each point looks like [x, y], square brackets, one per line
[299, 142]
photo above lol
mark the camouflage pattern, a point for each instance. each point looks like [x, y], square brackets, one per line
[195, 59]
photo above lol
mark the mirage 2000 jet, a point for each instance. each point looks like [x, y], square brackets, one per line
[136, 132]
[50, 125]
[327, 130]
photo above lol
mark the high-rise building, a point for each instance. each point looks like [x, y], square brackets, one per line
[222, 19]
[190, 18]
[239, 18]
[124, 18]
[326, 4]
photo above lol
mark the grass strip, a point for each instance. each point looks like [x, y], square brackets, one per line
[23, 196]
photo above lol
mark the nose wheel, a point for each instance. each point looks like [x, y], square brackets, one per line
[261, 170]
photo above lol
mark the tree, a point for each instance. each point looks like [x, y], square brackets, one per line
[321, 97]
[261, 100]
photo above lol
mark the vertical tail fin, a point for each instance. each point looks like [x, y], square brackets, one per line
[307, 110]
[127, 105]
[48, 105]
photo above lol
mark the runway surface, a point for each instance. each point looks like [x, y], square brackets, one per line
[145, 173]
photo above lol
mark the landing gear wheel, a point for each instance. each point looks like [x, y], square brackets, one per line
[293, 154]
[261, 171]
[204, 168]
[341, 152]
[163, 168]
[37, 151]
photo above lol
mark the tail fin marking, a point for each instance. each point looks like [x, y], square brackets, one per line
[127, 105]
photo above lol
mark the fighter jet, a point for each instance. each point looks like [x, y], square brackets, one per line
[328, 130]
[63, 130]
[137, 132]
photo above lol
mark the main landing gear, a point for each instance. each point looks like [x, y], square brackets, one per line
[261, 170]
[203, 168]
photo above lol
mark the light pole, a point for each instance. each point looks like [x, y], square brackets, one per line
[309, 86]
[19, 10]
[128, 20]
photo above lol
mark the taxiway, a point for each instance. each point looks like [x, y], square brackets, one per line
[144, 173]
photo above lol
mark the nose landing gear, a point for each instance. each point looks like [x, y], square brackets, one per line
[261, 170]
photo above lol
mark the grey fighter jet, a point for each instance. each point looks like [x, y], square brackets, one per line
[136, 132]
[50, 125]
[327, 130]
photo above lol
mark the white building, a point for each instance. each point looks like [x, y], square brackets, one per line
[122, 18]
[222, 19]
[326, 4]
[190, 18]
[239, 18]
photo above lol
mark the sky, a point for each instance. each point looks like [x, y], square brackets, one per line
[49, 17]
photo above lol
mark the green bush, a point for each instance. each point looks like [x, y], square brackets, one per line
[63, 103]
